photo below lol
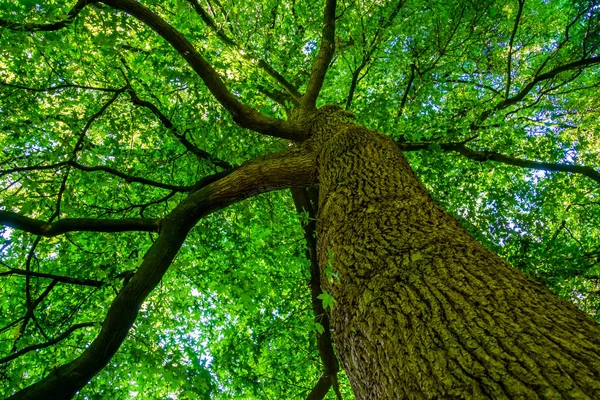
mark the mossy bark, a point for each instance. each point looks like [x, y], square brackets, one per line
[424, 311]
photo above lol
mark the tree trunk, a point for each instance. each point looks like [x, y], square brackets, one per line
[423, 311]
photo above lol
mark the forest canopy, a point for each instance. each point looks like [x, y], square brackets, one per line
[116, 114]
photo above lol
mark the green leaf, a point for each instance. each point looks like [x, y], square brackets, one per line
[327, 299]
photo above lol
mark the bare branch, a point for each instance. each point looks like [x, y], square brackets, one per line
[10, 324]
[321, 64]
[32, 168]
[142, 207]
[509, 160]
[49, 343]
[42, 228]
[78, 147]
[130, 178]
[71, 15]
[244, 116]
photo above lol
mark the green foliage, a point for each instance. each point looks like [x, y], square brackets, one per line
[232, 317]
[328, 300]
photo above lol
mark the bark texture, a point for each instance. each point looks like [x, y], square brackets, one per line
[423, 311]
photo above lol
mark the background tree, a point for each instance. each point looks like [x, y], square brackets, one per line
[125, 127]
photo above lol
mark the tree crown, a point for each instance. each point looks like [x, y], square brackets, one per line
[116, 113]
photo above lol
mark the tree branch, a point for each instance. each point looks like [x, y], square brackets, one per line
[483, 156]
[128, 178]
[37, 227]
[321, 64]
[466, 82]
[71, 15]
[407, 90]
[131, 178]
[277, 96]
[510, 46]
[31, 306]
[93, 118]
[291, 168]
[305, 202]
[49, 343]
[291, 89]
[201, 154]
[321, 388]
[243, 115]
[58, 278]
[367, 54]
[59, 87]
[583, 63]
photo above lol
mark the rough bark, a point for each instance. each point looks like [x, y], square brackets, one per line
[424, 311]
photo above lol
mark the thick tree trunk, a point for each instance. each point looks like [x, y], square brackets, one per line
[423, 311]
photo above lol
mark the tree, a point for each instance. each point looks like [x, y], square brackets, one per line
[132, 133]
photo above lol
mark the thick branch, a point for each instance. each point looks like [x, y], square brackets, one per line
[18, 26]
[482, 156]
[321, 388]
[42, 228]
[294, 167]
[326, 51]
[49, 343]
[242, 115]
